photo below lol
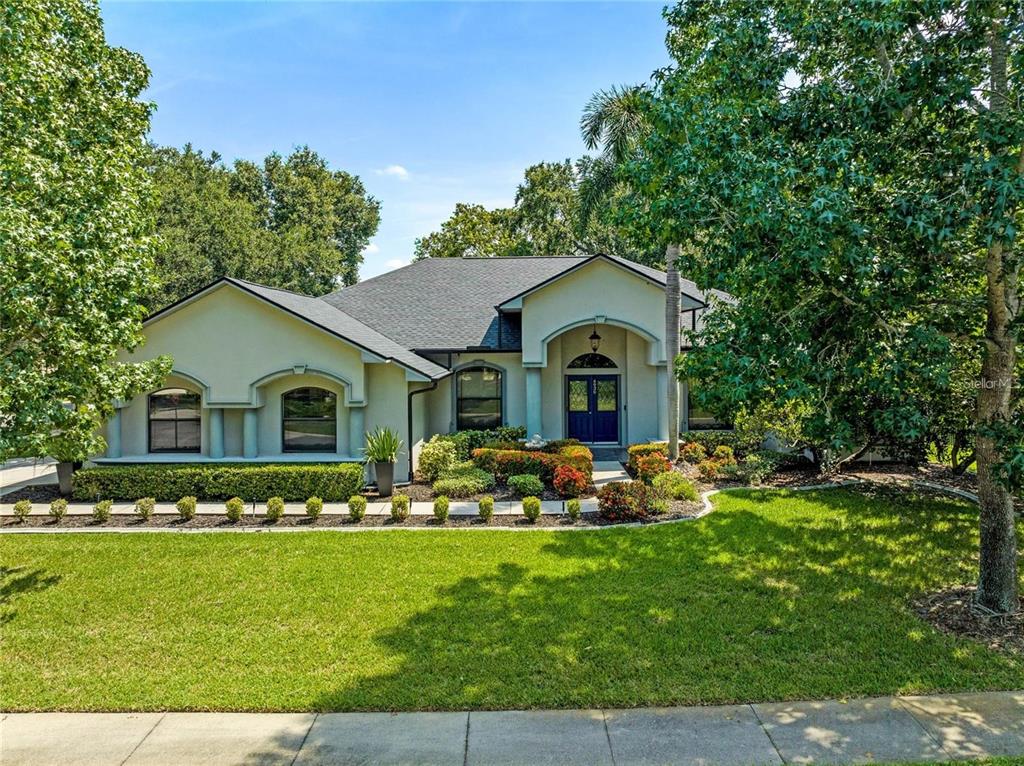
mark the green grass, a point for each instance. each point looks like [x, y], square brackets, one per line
[775, 596]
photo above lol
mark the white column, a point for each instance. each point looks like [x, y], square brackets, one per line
[356, 429]
[216, 432]
[250, 432]
[662, 394]
[533, 402]
[114, 434]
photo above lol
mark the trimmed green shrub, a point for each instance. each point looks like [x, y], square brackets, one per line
[525, 484]
[314, 506]
[441, 508]
[437, 457]
[220, 481]
[637, 451]
[58, 508]
[692, 452]
[486, 507]
[467, 441]
[144, 508]
[711, 440]
[674, 486]
[400, 507]
[758, 466]
[724, 455]
[463, 480]
[569, 481]
[22, 509]
[531, 508]
[186, 507]
[624, 501]
[356, 507]
[574, 508]
[101, 511]
[275, 509]
[235, 507]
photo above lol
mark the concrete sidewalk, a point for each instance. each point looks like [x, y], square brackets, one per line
[885, 729]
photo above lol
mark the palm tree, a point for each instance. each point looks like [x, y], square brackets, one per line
[614, 121]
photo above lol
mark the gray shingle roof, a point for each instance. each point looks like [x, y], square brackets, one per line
[340, 323]
[449, 303]
[446, 303]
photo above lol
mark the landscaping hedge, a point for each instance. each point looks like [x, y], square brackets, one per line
[168, 482]
[506, 462]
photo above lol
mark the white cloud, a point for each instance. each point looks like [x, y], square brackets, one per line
[395, 263]
[396, 171]
[371, 249]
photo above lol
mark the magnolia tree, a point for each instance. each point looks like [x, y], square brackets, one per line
[74, 227]
[853, 173]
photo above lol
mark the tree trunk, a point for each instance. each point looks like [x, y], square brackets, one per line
[672, 347]
[997, 576]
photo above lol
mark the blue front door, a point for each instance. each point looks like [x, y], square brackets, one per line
[592, 402]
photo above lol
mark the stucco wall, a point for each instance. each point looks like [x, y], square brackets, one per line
[228, 340]
[598, 289]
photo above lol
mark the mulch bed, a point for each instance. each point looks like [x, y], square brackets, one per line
[421, 492]
[678, 510]
[35, 493]
[952, 611]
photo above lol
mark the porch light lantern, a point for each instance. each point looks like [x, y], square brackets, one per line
[595, 340]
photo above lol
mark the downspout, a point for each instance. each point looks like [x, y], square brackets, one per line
[431, 387]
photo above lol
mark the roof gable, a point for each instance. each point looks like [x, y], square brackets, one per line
[323, 316]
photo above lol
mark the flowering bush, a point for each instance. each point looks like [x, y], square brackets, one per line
[637, 451]
[624, 501]
[436, 457]
[569, 481]
[709, 469]
[649, 466]
[693, 452]
[505, 463]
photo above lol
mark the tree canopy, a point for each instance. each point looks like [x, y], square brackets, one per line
[289, 222]
[550, 216]
[75, 227]
[853, 174]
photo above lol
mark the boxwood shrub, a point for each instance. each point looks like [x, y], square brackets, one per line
[220, 481]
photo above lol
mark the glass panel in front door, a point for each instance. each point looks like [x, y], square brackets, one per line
[579, 401]
[606, 396]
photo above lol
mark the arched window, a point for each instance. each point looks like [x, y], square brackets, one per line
[309, 420]
[594, 361]
[174, 421]
[478, 398]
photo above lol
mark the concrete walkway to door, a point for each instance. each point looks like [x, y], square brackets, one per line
[882, 729]
[608, 471]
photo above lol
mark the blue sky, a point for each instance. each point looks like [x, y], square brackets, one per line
[429, 103]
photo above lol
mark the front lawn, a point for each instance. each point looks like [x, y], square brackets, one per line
[775, 596]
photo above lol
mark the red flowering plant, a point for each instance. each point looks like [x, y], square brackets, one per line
[624, 501]
[569, 481]
[649, 466]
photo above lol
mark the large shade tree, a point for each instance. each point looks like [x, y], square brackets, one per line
[289, 222]
[854, 173]
[554, 213]
[75, 227]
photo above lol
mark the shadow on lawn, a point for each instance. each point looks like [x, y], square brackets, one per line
[783, 602]
[16, 582]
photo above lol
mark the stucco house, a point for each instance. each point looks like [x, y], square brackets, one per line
[567, 346]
